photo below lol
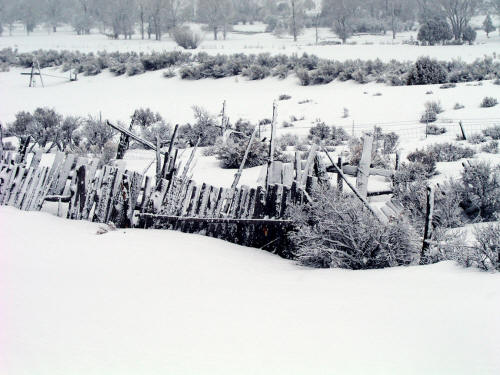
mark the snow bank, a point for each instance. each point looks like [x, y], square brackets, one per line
[161, 302]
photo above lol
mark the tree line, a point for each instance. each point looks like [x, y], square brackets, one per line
[153, 18]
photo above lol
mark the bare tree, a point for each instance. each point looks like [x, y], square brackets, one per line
[216, 13]
[341, 13]
[459, 13]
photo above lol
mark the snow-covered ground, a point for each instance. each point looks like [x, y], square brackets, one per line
[162, 302]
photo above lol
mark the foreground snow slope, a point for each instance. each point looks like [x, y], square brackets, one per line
[160, 302]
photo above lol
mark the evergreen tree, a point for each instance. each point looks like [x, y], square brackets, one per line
[435, 30]
[488, 25]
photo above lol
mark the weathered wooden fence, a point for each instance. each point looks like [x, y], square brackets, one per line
[243, 215]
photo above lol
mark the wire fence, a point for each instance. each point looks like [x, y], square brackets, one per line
[415, 130]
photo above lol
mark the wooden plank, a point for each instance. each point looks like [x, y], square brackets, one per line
[364, 166]
[24, 188]
[145, 194]
[279, 201]
[276, 173]
[18, 182]
[7, 181]
[309, 164]
[297, 165]
[135, 190]
[62, 177]
[38, 190]
[77, 203]
[104, 195]
[287, 174]
[31, 188]
[36, 159]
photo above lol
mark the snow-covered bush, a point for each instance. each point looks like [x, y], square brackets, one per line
[231, 153]
[476, 139]
[427, 71]
[480, 191]
[434, 106]
[489, 102]
[134, 67]
[435, 130]
[187, 38]
[117, 67]
[469, 35]
[458, 106]
[320, 131]
[493, 132]
[483, 253]
[447, 152]
[303, 76]
[491, 147]
[425, 160]
[169, 73]
[256, 72]
[96, 134]
[335, 230]
[434, 30]
[190, 72]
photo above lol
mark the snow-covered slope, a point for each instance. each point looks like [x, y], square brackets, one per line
[161, 302]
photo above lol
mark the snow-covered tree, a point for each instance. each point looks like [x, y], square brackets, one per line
[341, 14]
[459, 13]
[488, 26]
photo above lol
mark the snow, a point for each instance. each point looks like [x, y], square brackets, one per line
[163, 302]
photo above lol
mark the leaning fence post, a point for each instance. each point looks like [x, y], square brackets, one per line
[340, 182]
[462, 130]
[428, 223]
[364, 165]
[1, 143]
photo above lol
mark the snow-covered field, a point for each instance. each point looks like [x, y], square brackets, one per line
[161, 302]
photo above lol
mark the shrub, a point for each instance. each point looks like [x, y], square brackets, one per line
[447, 152]
[435, 30]
[117, 67]
[486, 252]
[134, 67]
[434, 106]
[303, 76]
[425, 159]
[336, 231]
[320, 131]
[190, 72]
[231, 153]
[469, 35]
[255, 72]
[428, 116]
[187, 38]
[169, 73]
[458, 106]
[493, 132]
[285, 97]
[339, 134]
[435, 130]
[481, 191]
[426, 72]
[96, 134]
[491, 147]
[476, 139]
[489, 102]
[287, 140]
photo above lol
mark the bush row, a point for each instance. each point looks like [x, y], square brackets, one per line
[309, 69]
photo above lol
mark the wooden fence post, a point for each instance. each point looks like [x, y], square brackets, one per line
[355, 191]
[271, 143]
[428, 223]
[1, 143]
[340, 183]
[462, 130]
[364, 166]
[237, 176]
